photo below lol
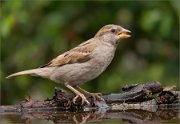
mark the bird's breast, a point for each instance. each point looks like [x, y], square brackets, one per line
[103, 56]
[79, 73]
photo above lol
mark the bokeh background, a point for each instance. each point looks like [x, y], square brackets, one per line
[35, 31]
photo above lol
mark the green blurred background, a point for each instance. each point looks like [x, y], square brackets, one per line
[35, 31]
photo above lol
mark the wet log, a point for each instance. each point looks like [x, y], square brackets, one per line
[147, 96]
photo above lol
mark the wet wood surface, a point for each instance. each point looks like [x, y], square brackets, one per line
[147, 96]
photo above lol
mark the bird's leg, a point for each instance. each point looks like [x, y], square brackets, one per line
[94, 95]
[78, 94]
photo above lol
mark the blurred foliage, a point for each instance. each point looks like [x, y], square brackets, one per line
[35, 31]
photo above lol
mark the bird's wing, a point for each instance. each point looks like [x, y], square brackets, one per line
[79, 54]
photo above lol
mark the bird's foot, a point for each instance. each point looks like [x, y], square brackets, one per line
[96, 96]
[84, 99]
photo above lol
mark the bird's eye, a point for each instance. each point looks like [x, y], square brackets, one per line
[113, 30]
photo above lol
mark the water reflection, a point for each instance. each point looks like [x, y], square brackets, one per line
[125, 117]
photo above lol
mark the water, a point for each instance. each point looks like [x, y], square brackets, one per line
[161, 116]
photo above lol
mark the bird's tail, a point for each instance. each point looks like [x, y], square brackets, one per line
[43, 72]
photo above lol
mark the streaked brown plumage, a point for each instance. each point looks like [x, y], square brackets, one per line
[84, 62]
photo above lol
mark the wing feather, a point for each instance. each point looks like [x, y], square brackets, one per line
[79, 54]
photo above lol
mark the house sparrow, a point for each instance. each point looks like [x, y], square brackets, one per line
[82, 63]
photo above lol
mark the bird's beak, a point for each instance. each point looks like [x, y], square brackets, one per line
[123, 34]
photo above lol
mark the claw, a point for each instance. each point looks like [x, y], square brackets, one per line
[84, 100]
[75, 98]
[97, 96]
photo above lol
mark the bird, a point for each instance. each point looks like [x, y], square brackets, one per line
[82, 63]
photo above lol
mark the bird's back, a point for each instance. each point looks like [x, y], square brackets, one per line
[78, 73]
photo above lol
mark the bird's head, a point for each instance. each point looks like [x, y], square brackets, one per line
[113, 33]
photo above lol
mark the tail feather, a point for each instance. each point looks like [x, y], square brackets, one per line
[44, 72]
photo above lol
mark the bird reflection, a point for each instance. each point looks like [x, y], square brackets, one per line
[127, 117]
